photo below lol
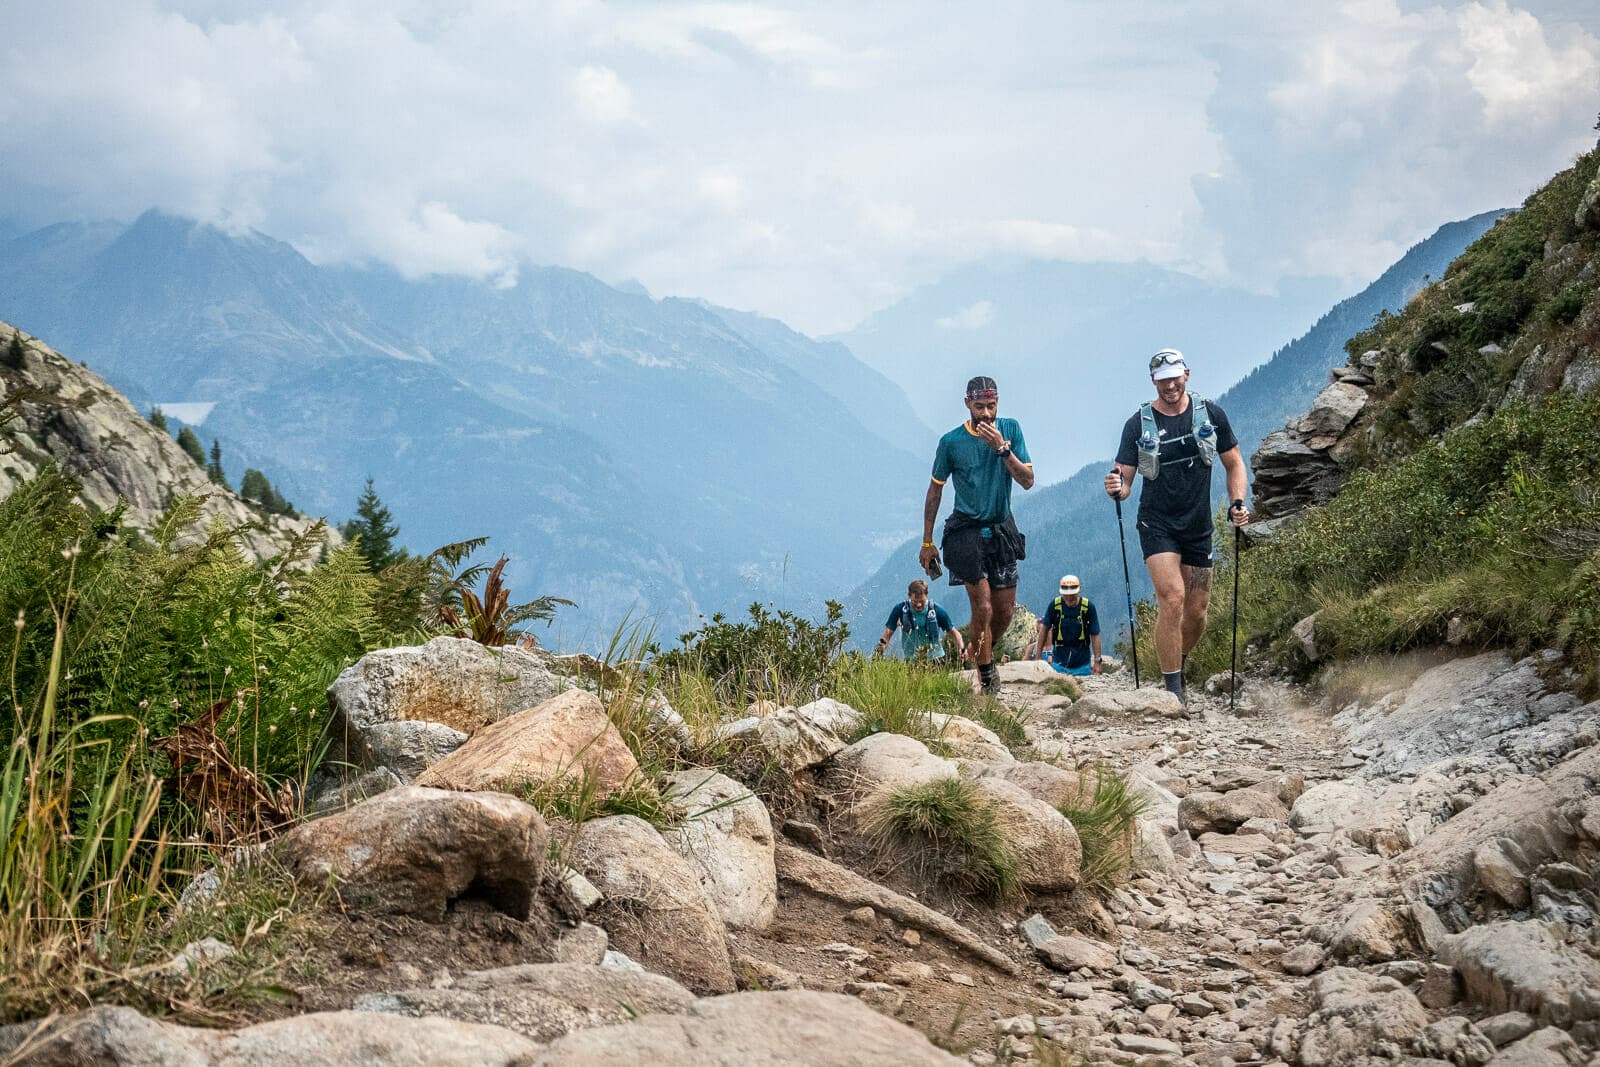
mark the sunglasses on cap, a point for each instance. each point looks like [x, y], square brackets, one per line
[1167, 357]
[1070, 588]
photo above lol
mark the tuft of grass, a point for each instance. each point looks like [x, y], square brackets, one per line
[1008, 723]
[1105, 821]
[901, 697]
[1064, 686]
[945, 831]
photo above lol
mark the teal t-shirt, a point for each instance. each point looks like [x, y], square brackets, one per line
[983, 488]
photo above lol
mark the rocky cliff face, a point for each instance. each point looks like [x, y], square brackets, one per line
[57, 411]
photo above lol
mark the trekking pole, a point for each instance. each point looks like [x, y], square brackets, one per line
[1233, 686]
[1127, 585]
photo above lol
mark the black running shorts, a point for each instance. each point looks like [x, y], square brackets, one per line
[970, 558]
[1193, 549]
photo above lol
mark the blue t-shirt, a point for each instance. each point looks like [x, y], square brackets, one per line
[1071, 650]
[983, 488]
[920, 629]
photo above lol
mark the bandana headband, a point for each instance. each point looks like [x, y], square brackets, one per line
[983, 394]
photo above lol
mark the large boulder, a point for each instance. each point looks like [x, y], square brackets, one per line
[1372, 932]
[726, 835]
[881, 763]
[1332, 411]
[413, 850]
[568, 736]
[1045, 781]
[654, 907]
[122, 1037]
[1358, 1015]
[406, 708]
[1205, 812]
[1049, 855]
[799, 738]
[792, 1027]
[1521, 966]
[541, 1001]
[965, 739]
[1531, 819]
[1124, 703]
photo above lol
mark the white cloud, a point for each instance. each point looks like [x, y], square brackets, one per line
[601, 96]
[810, 161]
[974, 316]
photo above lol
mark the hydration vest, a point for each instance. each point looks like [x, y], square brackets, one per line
[915, 636]
[1061, 621]
[1205, 436]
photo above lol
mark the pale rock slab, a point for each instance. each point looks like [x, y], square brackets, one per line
[758, 1029]
[404, 708]
[726, 835]
[655, 909]
[541, 1001]
[1048, 851]
[1521, 966]
[1358, 1014]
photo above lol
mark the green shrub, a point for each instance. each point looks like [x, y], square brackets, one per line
[946, 831]
[1106, 821]
[1497, 524]
[777, 654]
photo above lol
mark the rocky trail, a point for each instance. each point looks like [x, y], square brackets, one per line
[1407, 877]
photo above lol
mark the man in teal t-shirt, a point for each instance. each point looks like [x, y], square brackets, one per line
[922, 625]
[982, 545]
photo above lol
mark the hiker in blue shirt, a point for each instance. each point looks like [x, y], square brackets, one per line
[1070, 628]
[982, 545]
[922, 626]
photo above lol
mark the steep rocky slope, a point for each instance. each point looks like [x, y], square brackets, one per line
[57, 411]
[1514, 319]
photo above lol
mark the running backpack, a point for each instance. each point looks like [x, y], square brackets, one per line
[1205, 436]
[1061, 619]
[928, 631]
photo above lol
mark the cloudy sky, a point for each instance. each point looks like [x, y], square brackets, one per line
[812, 161]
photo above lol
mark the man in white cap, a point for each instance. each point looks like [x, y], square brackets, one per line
[1070, 628]
[1173, 442]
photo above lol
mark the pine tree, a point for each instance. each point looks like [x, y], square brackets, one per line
[158, 419]
[214, 468]
[374, 527]
[191, 444]
[255, 488]
[15, 355]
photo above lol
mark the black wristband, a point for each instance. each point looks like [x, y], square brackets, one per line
[1237, 505]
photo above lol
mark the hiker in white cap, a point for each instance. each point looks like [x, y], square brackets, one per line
[1069, 631]
[1173, 442]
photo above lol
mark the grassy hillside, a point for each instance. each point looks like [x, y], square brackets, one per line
[1470, 510]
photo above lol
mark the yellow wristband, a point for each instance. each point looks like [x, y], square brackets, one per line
[927, 544]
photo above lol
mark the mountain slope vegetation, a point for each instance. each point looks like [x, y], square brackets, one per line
[1468, 511]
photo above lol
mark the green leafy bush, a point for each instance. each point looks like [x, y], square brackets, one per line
[1497, 524]
[776, 654]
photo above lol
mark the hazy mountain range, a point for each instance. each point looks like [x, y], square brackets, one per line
[643, 456]
[1071, 525]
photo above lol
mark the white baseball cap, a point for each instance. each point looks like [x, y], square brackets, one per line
[1070, 584]
[1168, 363]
